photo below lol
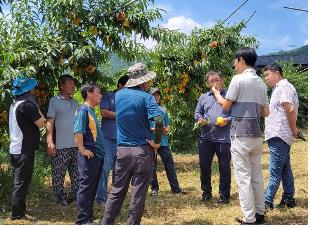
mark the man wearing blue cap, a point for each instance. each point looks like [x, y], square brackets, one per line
[25, 119]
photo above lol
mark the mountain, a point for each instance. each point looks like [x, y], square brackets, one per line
[298, 51]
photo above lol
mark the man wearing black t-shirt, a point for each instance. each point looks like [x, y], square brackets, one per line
[25, 119]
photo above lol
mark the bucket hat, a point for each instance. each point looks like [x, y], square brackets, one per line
[23, 84]
[139, 74]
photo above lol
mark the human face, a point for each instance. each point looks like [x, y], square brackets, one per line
[145, 86]
[238, 65]
[215, 80]
[95, 96]
[157, 97]
[68, 87]
[271, 77]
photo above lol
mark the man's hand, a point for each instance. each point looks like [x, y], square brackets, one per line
[51, 149]
[295, 132]
[166, 130]
[202, 121]
[87, 153]
[215, 91]
[154, 145]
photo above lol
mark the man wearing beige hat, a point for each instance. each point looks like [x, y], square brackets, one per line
[135, 149]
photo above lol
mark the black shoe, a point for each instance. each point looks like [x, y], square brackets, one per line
[179, 191]
[285, 202]
[71, 198]
[260, 219]
[206, 197]
[154, 193]
[268, 206]
[62, 202]
[26, 217]
[223, 200]
[239, 220]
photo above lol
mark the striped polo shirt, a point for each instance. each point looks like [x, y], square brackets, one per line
[276, 124]
[249, 94]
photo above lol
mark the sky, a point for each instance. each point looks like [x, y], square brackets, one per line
[275, 27]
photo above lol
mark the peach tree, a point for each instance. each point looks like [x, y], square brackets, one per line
[44, 39]
[182, 66]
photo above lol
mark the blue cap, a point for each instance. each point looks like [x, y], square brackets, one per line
[23, 84]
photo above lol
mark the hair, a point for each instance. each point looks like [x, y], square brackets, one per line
[213, 72]
[248, 54]
[88, 87]
[63, 78]
[274, 68]
[122, 80]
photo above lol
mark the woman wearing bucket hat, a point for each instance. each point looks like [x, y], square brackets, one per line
[135, 155]
[164, 152]
[25, 119]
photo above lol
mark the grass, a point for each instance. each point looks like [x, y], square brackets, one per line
[169, 208]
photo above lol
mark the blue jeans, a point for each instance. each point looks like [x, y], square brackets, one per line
[110, 146]
[279, 169]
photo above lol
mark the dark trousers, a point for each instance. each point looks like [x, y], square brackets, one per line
[168, 162]
[22, 172]
[89, 174]
[133, 164]
[207, 150]
[65, 159]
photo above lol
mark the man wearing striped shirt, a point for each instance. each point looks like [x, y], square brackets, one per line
[280, 131]
[247, 97]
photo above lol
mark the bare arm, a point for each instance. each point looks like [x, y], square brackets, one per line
[40, 122]
[80, 145]
[49, 136]
[291, 116]
[225, 103]
[108, 114]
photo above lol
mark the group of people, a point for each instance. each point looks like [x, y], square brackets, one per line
[134, 130]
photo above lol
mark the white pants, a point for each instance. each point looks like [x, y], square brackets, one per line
[246, 158]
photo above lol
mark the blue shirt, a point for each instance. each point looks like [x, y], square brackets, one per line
[166, 121]
[86, 123]
[109, 125]
[209, 109]
[134, 109]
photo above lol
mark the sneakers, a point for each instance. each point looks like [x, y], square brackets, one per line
[62, 202]
[223, 200]
[154, 193]
[179, 191]
[206, 197]
[268, 206]
[286, 202]
[71, 198]
[101, 204]
[260, 220]
[26, 217]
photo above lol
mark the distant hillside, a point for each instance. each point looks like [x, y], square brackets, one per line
[297, 51]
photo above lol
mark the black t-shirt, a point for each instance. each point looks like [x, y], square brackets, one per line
[26, 114]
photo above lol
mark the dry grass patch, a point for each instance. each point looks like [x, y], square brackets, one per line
[170, 208]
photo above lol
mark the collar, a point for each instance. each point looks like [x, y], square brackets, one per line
[59, 95]
[281, 81]
[249, 70]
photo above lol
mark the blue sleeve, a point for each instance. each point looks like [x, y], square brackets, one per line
[80, 122]
[166, 120]
[199, 109]
[104, 103]
[152, 124]
[152, 107]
